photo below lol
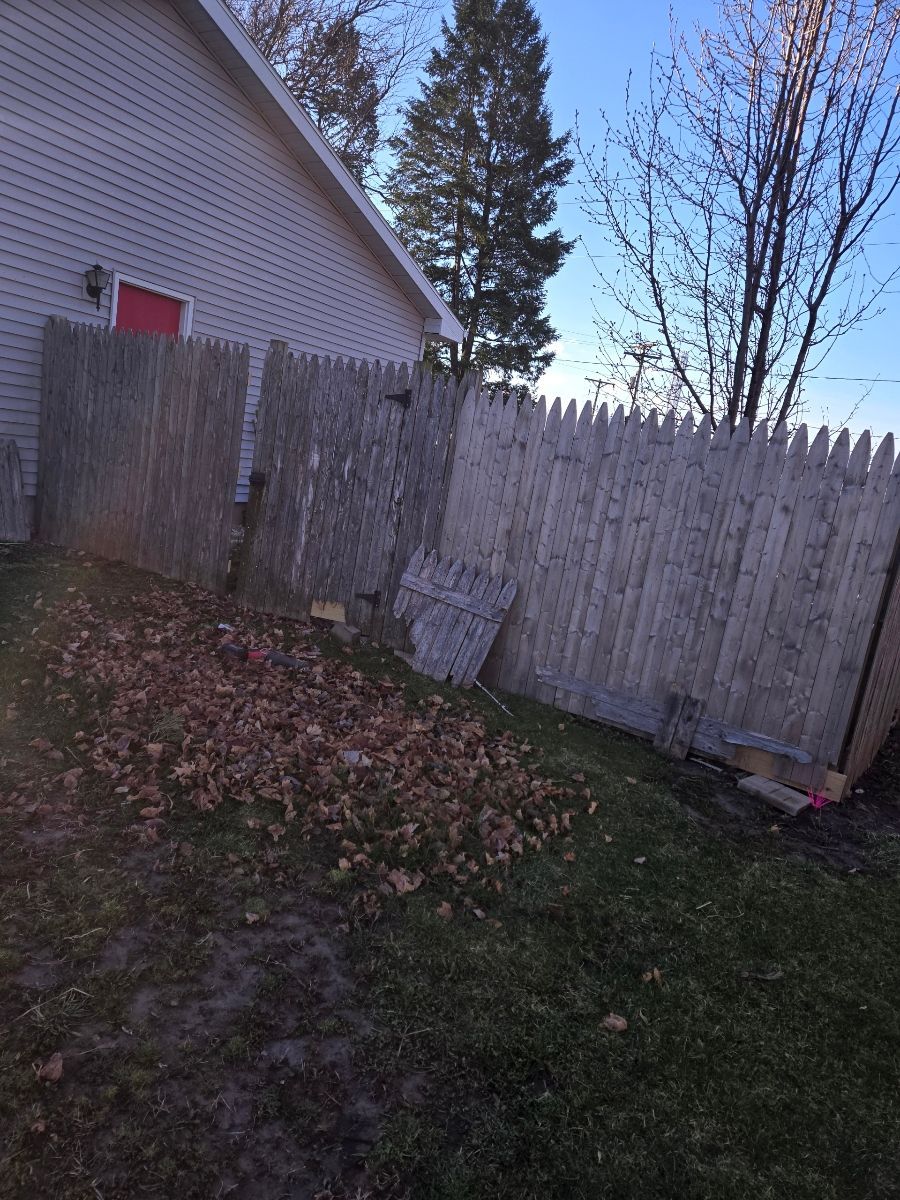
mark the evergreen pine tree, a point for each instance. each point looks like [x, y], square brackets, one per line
[475, 183]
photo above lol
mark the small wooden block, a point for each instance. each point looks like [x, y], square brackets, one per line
[760, 762]
[834, 787]
[328, 610]
[787, 799]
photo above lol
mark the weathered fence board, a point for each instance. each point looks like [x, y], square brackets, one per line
[13, 521]
[353, 464]
[140, 440]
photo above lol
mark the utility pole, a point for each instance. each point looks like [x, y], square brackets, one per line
[600, 383]
[642, 352]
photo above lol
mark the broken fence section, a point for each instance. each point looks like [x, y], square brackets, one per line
[454, 614]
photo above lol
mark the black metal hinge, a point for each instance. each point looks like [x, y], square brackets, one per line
[257, 478]
[373, 598]
[404, 398]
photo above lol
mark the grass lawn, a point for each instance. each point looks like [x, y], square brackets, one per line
[389, 971]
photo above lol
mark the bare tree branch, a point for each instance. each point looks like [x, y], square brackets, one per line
[741, 192]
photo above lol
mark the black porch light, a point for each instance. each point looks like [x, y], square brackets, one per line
[96, 281]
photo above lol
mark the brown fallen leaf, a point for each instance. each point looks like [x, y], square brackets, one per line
[607, 838]
[343, 864]
[569, 856]
[614, 1023]
[445, 911]
[39, 1126]
[592, 808]
[51, 1070]
[641, 859]
[630, 779]
[652, 976]
[402, 883]
[147, 813]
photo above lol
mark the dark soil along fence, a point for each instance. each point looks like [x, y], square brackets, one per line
[139, 447]
[350, 468]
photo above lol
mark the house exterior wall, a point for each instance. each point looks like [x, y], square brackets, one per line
[123, 141]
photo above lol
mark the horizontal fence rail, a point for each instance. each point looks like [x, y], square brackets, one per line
[139, 447]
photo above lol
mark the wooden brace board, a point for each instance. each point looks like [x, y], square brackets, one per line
[652, 718]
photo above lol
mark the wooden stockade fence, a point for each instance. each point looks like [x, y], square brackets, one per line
[13, 522]
[733, 591]
[348, 478]
[139, 447]
[743, 571]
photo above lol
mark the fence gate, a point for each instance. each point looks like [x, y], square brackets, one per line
[349, 472]
[139, 447]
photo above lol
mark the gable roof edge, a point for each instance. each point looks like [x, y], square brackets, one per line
[227, 39]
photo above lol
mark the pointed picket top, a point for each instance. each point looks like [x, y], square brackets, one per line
[667, 428]
[858, 464]
[818, 450]
[684, 435]
[779, 434]
[538, 418]
[468, 406]
[703, 432]
[585, 418]
[882, 461]
[554, 417]
[568, 422]
[602, 413]
[839, 454]
[760, 432]
[616, 423]
[722, 436]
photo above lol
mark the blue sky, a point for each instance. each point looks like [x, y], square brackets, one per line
[592, 47]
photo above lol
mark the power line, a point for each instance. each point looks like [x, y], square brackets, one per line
[592, 362]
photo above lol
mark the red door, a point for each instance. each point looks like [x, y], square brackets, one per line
[143, 311]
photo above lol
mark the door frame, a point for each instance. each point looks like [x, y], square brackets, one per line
[187, 302]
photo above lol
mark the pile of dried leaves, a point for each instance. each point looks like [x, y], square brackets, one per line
[405, 792]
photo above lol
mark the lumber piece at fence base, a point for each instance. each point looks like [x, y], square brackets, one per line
[681, 716]
[760, 762]
[640, 715]
[328, 610]
[830, 784]
[787, 799]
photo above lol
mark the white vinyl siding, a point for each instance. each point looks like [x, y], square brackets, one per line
[123, 141]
